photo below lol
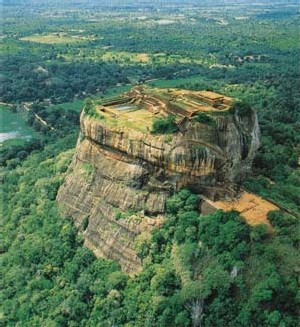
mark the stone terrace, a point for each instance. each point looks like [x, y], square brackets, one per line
[136, 108]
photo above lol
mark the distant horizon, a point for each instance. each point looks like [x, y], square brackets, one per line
[110, 3]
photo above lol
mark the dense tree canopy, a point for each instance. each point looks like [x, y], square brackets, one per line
[212, 270]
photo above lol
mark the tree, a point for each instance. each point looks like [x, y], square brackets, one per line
[204, 118]
[164, 125]
[241, 107]
[193, 299]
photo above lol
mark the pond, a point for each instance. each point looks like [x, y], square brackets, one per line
[13, 128]
[125, 107]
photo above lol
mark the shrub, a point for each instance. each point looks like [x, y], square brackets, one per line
[280, 220]
[90, 109]
[243, 108]
[204, 118]
[164, 125]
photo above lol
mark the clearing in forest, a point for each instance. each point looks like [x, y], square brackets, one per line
[251, 207]
[125, 57]
[57, 38]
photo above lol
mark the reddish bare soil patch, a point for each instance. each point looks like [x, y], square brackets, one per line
[252, 208]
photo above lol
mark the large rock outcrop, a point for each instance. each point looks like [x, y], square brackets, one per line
[121, 176]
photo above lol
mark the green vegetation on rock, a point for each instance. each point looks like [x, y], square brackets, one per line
[90, 110]
[164, 125]
[241, 107]
[202, 117]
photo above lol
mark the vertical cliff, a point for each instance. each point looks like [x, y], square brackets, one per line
[122, 174]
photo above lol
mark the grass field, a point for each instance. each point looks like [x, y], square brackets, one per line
[163, 58]
[125, 57]
[116, 90]
[157, 58]
[75, 105]
[13, 128]
[132, 58]
[188, 82]
[57, 38]
[139, 120]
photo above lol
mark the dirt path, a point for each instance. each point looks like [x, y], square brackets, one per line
[26, 107]
[6, 104]
[36, 116]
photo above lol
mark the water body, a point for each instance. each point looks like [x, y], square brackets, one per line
[13, 127]
[125, 107]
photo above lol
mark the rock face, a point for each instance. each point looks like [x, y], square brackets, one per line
[121, 176]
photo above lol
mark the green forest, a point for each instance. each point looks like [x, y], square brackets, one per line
[216, 265]
[208, 271]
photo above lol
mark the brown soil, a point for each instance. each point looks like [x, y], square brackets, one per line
[252, 208]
